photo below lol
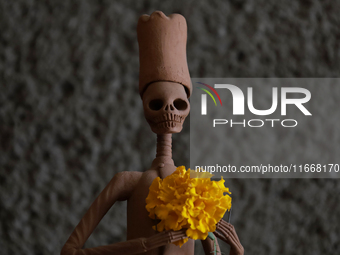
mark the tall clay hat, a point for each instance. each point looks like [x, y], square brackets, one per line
[162, 50]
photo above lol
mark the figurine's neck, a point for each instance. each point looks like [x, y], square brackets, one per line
[164, 150]
[164, 146]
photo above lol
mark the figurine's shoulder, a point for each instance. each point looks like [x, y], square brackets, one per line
[148, 176]
[125, 182]
[128, 175]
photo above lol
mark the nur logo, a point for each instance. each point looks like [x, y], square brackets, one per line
[239, 99]
[204, 97]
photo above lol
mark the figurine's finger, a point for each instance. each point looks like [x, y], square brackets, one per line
[236, 241]
[220, 236]
[230, 238]
[180, 232]
[232, 242]
[223, 223]
[226, 235]
[231, 228]
[170, 235]
[162, 238]
[229, 234]
[226, 225]
[178, 239]
[179, 235]
[235, 234]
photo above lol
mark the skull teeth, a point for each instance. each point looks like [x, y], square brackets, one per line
[168, 120]
[170, 117]
[167, 124]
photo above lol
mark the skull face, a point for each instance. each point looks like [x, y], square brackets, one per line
[165, 107]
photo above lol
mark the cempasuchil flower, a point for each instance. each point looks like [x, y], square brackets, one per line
[190, 200]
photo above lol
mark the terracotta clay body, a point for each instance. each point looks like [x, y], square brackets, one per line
[164, 88]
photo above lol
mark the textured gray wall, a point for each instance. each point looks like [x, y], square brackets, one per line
[71, 116]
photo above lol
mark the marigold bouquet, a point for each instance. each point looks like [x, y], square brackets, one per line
[190, 200]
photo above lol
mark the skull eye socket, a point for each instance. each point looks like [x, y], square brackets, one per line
[156, 104]
[180, 104]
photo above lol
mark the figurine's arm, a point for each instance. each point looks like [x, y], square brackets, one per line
[226, 232]
[134, 246]
[208, 246]
[119, 188]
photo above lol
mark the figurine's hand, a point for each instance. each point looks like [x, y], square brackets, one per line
[226, 232]
[164, 238]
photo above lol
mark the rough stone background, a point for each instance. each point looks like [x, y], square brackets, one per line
[71, 116]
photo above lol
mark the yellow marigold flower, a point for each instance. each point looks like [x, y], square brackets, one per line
[190, 200]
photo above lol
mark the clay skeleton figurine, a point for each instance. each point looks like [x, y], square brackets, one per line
[164, 86]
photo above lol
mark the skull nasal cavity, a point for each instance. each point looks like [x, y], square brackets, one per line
[169, 107]
[156, 104]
